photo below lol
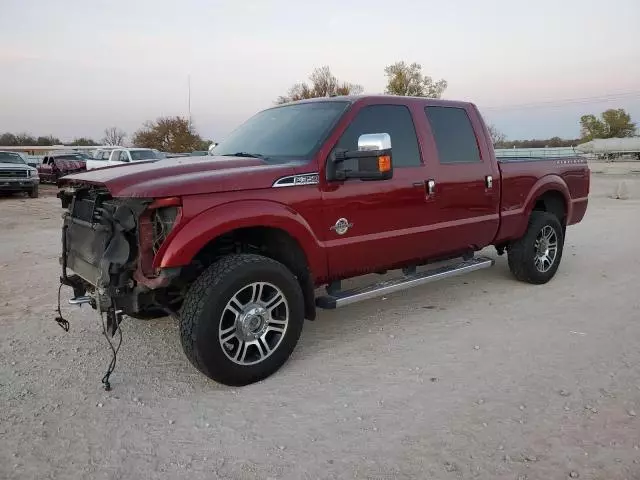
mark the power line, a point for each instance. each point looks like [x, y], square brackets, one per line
[566, 101]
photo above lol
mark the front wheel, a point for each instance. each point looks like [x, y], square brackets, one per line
[535, 257]
[33, 193]
[241, 319]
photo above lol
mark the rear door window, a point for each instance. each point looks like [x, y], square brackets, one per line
[453, 132]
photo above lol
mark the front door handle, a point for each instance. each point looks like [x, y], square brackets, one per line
[431, 186]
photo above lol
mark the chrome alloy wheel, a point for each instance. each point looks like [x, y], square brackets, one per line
[253, 323]
[546, 249]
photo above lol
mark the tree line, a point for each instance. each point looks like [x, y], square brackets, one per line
[167, 134]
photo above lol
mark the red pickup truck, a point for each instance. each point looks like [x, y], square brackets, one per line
[301, 196]
[57, 165]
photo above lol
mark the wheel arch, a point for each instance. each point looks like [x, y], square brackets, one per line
[265, 228]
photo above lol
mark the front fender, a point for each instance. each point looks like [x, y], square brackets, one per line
[197, 232]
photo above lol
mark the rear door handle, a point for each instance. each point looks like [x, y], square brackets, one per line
[488, 181]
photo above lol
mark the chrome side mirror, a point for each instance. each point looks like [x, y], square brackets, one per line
[374, 141]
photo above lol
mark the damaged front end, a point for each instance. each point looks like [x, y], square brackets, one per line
[109, 244]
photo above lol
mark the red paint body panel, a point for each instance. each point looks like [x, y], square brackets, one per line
[394, 222]
[525, 181]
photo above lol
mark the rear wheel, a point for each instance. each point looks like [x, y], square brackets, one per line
[241, 319]
[535, 257]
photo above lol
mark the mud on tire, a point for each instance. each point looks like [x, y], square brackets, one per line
[536, 256]
[238, 291]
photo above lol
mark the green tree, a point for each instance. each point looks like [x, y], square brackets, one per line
[169, 134]
[25, 139]
[50, 140]
[408, 80]
[83, 142]
[323, 84]
[8, 139]
[614, 123]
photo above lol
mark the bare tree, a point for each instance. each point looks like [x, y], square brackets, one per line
[497, 137]
[323, 84]
[113, 136]
[408, 80]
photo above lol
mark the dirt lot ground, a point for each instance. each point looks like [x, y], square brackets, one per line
[475, 377]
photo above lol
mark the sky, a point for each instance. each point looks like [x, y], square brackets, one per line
[71, 68]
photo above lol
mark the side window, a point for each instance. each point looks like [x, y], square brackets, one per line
[105, 155]
[124, 156]
[392, 119]
[455, 139]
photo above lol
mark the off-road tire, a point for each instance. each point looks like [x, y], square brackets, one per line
[202, 310]
[33, 193]
[522, 251]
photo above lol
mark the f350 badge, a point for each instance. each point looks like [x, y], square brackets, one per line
[341, 226]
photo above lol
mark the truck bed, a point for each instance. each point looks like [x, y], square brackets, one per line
[521, 175]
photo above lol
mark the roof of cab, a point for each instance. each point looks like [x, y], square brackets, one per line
[381, 98]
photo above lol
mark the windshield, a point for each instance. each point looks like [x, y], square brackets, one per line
[70, 156]
[284, 133]
[143, 155]
[10, 157]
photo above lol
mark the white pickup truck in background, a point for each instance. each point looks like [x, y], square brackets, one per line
[120, 156]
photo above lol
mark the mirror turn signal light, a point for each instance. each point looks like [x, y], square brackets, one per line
[384, 163]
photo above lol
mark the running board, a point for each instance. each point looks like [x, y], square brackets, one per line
[347, 297]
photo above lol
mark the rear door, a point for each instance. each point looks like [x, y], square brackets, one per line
[371, 225]
[464, 192]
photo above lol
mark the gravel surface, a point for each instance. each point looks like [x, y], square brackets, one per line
[473, 377]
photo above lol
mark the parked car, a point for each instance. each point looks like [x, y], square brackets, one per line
[16, 175]
[57, 165]
[121, 156]
[236, 246]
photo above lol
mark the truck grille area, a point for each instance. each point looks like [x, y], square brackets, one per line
[100, 238]
[13, 174]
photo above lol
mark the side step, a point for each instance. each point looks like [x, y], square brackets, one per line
[347, 297]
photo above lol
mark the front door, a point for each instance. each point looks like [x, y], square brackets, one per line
[372, 225]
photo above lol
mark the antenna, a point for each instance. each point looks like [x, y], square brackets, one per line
[189, 100]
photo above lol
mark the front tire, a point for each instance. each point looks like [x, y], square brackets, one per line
[536, 256]
[33, 193]
[241, 319]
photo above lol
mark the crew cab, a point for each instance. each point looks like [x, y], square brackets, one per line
[56, 165]
[302, 196]
[16, 175]
[120, 156]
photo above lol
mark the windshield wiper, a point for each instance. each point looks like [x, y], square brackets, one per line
[245, 154]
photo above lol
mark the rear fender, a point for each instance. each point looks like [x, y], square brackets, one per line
[197, 232]
[513, 229]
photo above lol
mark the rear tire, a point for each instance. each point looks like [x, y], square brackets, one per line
[536, 256]
[33, 193]
[241, 319]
